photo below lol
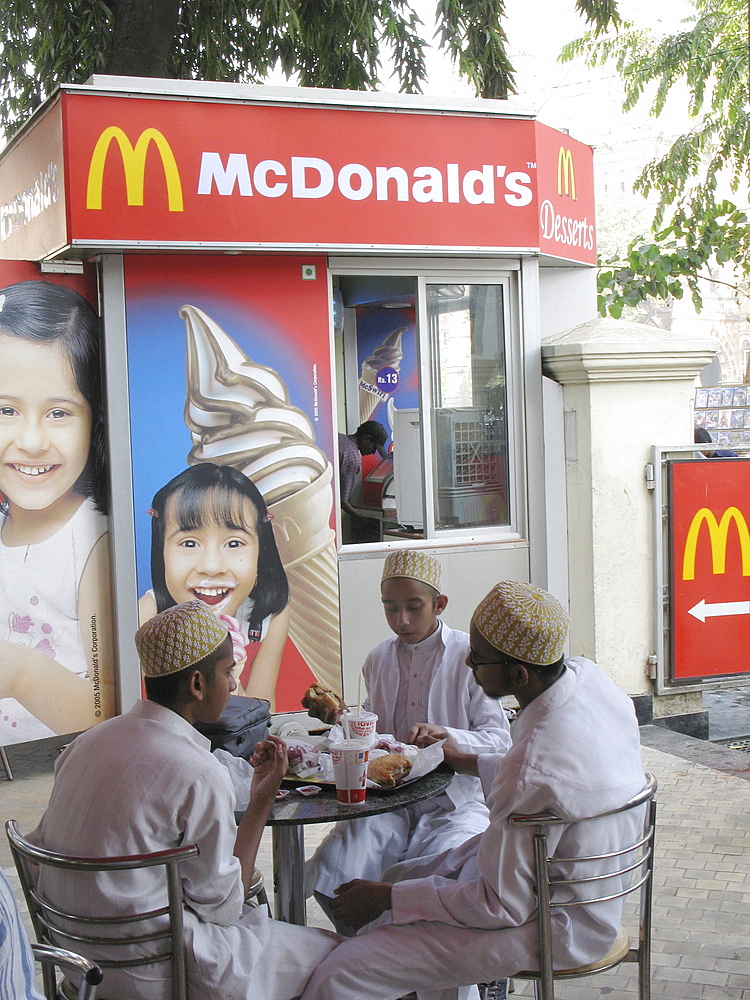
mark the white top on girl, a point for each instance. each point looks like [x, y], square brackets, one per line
[39, 605]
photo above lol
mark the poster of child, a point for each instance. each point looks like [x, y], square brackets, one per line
[212, 540]
[56, 669]
[230, 358]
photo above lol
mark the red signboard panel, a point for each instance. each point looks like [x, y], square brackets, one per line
[165, 172]
[709, 514]
[567, 213]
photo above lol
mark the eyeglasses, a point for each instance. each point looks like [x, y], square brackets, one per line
[474, 662]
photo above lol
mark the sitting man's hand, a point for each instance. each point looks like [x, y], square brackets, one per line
[271, 763]
[358, 902]
[423, 734]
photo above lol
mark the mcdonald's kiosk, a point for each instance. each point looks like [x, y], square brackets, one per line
[276, 266]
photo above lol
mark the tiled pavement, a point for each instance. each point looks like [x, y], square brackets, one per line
[701, 935]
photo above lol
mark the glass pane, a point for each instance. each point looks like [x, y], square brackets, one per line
[378, 381]
[469, 426]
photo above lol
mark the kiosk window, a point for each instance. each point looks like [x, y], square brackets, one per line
[427, 360]
[468, 413]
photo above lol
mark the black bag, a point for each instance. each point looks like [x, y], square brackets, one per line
[243, 723]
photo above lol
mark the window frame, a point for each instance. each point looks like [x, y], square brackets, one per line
[505, 273]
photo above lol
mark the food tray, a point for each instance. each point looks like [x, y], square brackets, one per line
[292, 782]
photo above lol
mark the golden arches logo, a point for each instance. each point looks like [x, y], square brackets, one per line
[566, 175]
[134, 164]
[718, 532]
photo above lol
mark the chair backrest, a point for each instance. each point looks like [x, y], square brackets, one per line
[594, 878]
[147, 937]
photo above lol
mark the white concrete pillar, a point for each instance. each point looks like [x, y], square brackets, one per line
[626, 387]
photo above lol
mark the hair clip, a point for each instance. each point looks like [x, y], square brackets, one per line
[152, 513]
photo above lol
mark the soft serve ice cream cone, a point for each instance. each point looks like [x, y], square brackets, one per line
[388, 354]
[238, 413]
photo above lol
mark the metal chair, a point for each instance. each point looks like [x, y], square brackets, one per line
[256, 894]
[91, 973]
[6, 764]
[141, 944]
[16, 967]
[632, 866]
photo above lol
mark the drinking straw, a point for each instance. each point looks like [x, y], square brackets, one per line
[359, 694]
[345, 722]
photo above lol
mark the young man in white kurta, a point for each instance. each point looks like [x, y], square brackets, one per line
[416, 689]
[147, 781]
[468, 916]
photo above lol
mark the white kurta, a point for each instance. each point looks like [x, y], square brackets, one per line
[147, 781]
[367, 848]
[471, 918]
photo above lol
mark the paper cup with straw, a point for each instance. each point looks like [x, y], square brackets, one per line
[362, 725]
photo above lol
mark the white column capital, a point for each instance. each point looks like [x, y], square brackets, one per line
[611, 350]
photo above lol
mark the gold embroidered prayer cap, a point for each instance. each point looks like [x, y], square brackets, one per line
[524, 622]
[178, 638]
[413, 565]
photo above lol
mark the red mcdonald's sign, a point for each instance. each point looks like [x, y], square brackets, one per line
[709, 559]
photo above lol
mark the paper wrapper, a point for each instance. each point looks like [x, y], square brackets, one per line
[307, 546]
[241, 772]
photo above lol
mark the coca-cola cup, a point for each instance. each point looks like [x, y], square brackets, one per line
[350, 770]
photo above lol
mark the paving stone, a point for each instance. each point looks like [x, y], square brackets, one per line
[709, 978]
[681, 991]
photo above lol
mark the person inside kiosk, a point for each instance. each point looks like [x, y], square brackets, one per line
[369, 437]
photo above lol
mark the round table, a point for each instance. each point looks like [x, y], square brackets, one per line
[291, 814]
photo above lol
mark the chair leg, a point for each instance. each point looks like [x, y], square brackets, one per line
[496, 990]
[644, 971]
[6, 764]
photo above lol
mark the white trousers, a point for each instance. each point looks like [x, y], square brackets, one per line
[438, 961]
[367, 847]
[292, 953]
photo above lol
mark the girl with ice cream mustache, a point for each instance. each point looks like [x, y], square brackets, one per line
[212, 540]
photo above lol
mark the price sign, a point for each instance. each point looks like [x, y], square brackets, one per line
[387, 379]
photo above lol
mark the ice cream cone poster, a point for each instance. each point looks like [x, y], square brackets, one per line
[231, 419]
[56, 660]
[387, 355]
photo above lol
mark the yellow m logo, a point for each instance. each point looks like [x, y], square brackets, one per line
[566, 175]
[134, 164]
[718, 532]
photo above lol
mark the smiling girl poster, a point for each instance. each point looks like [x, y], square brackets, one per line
[229, 369]
[56, 665]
